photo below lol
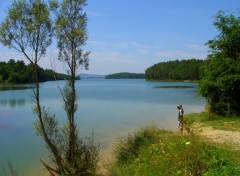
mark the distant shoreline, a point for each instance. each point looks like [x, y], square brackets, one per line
[5, 87]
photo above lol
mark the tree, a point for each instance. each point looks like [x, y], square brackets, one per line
[226, 43]
[27, 28]
[175, 70]
[77, 156]
[221, 77]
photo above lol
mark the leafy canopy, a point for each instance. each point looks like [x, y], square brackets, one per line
[28, 28]
[226, 43]
[221, 78]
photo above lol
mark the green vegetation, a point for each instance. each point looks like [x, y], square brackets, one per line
[29, 29]
[221, 76]
[15, 87]
[125, 75]
[216, 121]
[152, 151]
[17, 72]
[176, 70]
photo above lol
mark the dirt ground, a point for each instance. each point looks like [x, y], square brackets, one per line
[220, 136]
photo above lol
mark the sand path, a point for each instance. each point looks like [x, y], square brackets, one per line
[220, 136]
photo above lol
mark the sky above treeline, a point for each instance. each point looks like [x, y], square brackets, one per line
[132, 35]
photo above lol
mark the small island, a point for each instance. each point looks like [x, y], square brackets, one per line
[125, 75]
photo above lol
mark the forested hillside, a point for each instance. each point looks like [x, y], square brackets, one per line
[126, 75]
[18, 72]
[176, 70]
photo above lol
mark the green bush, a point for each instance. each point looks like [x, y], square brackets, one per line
[220, 86]
[221, 76]
[128, 148]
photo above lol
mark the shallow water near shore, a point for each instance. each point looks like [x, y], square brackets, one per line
[110, 108]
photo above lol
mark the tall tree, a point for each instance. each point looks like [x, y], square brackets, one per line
[27, 28]
[226, 42]
[72, 35]
[79, 156]
[221, 77]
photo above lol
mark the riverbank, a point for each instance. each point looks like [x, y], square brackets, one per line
[215, 128]
[209, 146]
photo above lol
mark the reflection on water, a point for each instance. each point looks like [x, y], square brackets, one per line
[12, 102]
[7, 128]
[111, 107]
[7, 87]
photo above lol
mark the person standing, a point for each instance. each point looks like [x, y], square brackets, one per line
[180, 118]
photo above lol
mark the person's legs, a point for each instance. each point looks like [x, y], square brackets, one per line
[181, 125]
[178, 124]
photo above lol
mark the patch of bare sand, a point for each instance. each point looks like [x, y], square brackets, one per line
[105, 160]
[220, 136]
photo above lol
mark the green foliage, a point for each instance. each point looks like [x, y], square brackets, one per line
[216, 121]
[86, 151]
[14, 72]
[17, 72]
[176, 70]
[129, 147]
[70, 154]
[221, 76]
[166, 153]
[71, 32]
[28, 28]
[220, 85]
[125, 75]
[226, 43]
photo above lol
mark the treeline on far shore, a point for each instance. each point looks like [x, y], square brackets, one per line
[18, 72]
[125, 75]
[176, 70]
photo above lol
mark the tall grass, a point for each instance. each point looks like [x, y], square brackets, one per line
[155, 152]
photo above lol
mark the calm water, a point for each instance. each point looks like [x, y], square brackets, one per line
[111, 107]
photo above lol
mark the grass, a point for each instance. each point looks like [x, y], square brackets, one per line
[154, 152]
[216, 121]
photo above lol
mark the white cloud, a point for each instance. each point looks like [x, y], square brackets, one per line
[196, 47]
[180, 54]
[135, 45]
[6, 54]
[97, 44]
[112, 62]
[116, 57]
[95, 14]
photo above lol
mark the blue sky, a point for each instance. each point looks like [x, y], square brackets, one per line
[132, 35]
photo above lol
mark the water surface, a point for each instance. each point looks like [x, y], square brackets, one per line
[111, 107]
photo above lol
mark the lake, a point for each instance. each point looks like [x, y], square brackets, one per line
[112, 108]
